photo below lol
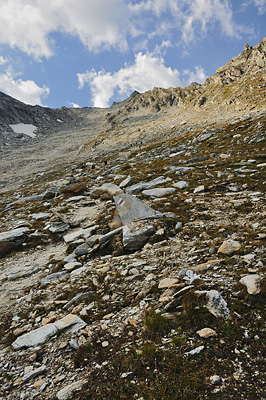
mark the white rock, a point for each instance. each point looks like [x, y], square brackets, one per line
[131, 208]
[217, 305]
[158, 192]
[66, 392]
[74, 235]
[181, 184]
[252, 282]
[74, 344]
[127, 181]
[199, 189]
[197, 350]
[216, 380]
[160, 180]
[32, 374]
[206, 333]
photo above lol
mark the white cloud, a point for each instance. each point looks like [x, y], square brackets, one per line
[74, 105]
[105, 24]
[261, 4]
[204, 15]
[99, 24]
[3, 60]
[26, 91]
[147, 72]
[194, 76]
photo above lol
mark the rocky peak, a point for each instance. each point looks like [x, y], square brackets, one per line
[251, 61]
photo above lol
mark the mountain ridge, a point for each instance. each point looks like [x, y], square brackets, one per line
[232, 88]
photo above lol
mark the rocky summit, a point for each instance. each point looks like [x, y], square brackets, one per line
[132, 243]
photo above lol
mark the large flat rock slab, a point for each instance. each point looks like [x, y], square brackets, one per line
[70, 323]
[131, 208]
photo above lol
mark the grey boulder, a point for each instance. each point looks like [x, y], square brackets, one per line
[11, 239]
[136, 234]
[130, 209]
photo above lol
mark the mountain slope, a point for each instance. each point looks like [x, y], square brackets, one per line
[171, 307]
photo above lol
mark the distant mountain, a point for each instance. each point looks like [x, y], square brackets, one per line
[236, 88]
[45, 119]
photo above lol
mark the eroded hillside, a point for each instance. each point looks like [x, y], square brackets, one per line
[133, 253]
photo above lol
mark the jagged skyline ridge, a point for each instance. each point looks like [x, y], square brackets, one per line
[91, 55]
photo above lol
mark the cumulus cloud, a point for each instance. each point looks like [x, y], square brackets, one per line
[204, 15]
[104, 24]
[198, 75]
[27, 24]
[26, 91]
[147, 72]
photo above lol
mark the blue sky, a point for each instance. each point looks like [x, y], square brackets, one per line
[93, 52]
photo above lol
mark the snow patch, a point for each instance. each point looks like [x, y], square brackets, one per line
[27, 129]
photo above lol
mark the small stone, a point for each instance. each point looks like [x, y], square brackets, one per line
[181, 184]
[32, 374]
[105, 344]
[217, 305]
[74, 344]
[158, 192]
[206, 333]
[229, 247]
[178, 226]
[197, 350]
[70, 322]
[72, 265]
[127, 181]
[199, 189]
[167, 283]
[66, 392]
[38, 384]
[51, 317]
[252, 282]
[58, 227]
[216, 380]
[82, 250]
